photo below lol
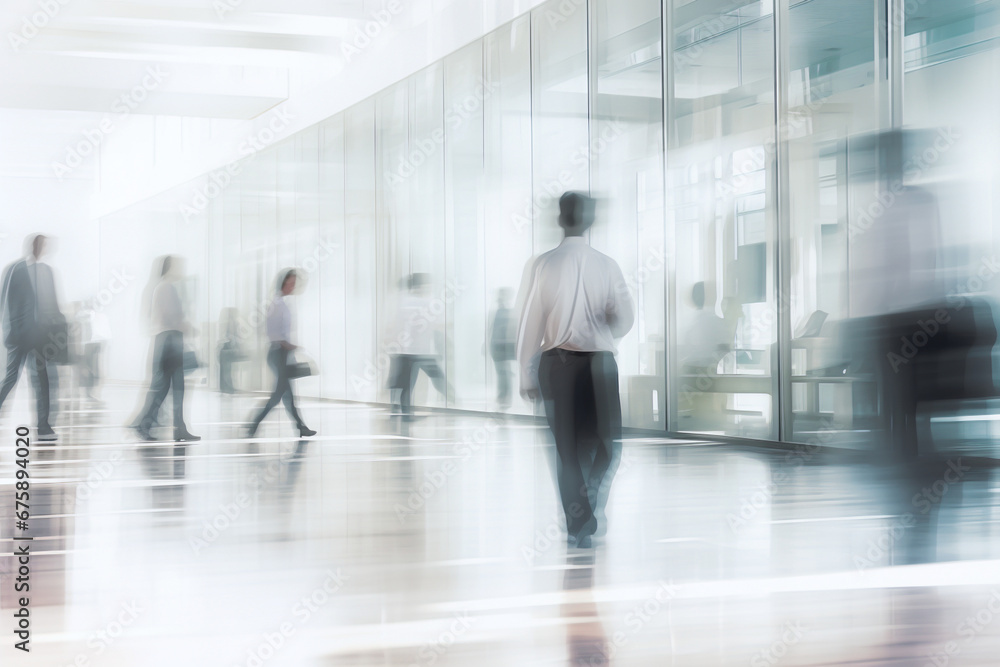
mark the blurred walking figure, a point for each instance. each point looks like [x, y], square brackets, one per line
[95, 331]
[502, 346]
[279, 332]
[707, 337]
[419, 332]
[169, 325]
[34, 329]
[229, 349]
[577, 305]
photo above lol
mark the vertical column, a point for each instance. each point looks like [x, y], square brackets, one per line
[780, 165]
[669, 142]
[896, 33]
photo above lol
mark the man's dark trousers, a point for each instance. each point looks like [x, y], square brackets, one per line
[16, 357]
[583, 408]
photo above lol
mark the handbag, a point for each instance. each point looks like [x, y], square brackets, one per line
[191, 362]
[232, 353]
[299, 369]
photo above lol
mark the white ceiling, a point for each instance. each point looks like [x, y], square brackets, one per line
[202, 74]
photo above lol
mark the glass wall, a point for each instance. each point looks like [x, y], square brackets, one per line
[832, 95]
[730, 148]
[721, 179]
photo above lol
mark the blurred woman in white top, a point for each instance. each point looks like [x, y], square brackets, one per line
[279, 332]
[169, 325]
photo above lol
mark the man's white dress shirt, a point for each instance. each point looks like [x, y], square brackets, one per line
[576, 299]
[417, 325]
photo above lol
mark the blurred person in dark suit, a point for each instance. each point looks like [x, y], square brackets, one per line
[229, 349]
[169, 324]
[576, 307]
[95, 332]
[502, 347]
[34, 328]
[922, 339]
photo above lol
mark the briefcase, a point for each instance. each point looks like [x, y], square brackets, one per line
[55, 347]
[300, 369]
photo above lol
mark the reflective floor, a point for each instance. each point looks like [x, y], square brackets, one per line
[438, 542]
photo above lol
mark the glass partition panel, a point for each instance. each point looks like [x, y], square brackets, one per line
[627, 178]
[508, 209]
[833, 97]
[560, 113]
[394, 186]
[332, 274]
[462, 292]
[721, 184]
[310, 252]
[426, 213]
[360, 250]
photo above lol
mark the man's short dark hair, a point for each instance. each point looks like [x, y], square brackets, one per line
[573, 207]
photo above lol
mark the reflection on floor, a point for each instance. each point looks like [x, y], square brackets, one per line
[438, 543]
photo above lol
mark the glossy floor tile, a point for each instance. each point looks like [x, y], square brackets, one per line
[439, 542]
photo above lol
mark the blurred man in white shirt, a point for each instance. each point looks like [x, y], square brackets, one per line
[576, 307]
[418, 330]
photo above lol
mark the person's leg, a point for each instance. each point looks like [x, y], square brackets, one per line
[276, 360]
[222, 372]
[39, 374]
[174, 368]
[86, 369]
[394, 382]
[408, 377]
[95, 371]
[607, 410]
[503, 383]
[436, 375]
[95, 366]
[226, 358]
[558, 375]
[15, 360]
[158, 387]
[289, 399]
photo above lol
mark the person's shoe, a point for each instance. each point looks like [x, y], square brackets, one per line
[585, 532]
[182, 435]
[306, 432]
[144, 434]
[47, 435]
[251, 430]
